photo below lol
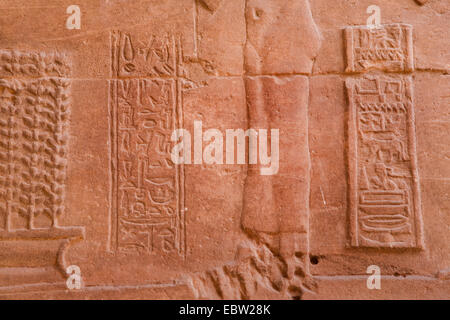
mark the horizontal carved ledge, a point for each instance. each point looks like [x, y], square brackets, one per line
[44, 234]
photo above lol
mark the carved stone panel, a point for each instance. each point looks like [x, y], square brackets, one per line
[386, 47]
[385, 205]
[145, 107]
[214, 149]
[34, 117]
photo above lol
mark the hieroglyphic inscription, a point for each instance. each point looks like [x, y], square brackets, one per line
[146, 106]
[386, 48]
[385, 206]
[150, 56]
[34, 112]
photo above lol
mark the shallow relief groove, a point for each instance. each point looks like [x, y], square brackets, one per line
[34, 120]
[385, 207]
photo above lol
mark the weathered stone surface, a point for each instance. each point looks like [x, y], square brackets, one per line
[329, 205]
[430, 24]
[359, 117]
[384, 47]
[353, 288]
[276, 28]
[384, 199]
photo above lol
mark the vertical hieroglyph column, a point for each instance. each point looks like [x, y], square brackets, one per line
[384, 197]
[281, 43]
[147, 189]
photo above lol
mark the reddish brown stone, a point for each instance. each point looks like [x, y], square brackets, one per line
[87, 179]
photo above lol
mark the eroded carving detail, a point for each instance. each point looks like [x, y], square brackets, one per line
[274, 260]
[257, 273]
[147, 188]
[16, 63]
[385, 205]
[387, 48]
[34, 115]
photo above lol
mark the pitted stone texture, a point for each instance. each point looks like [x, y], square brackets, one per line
[280, 29]
[140, 68]
[430, 23]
